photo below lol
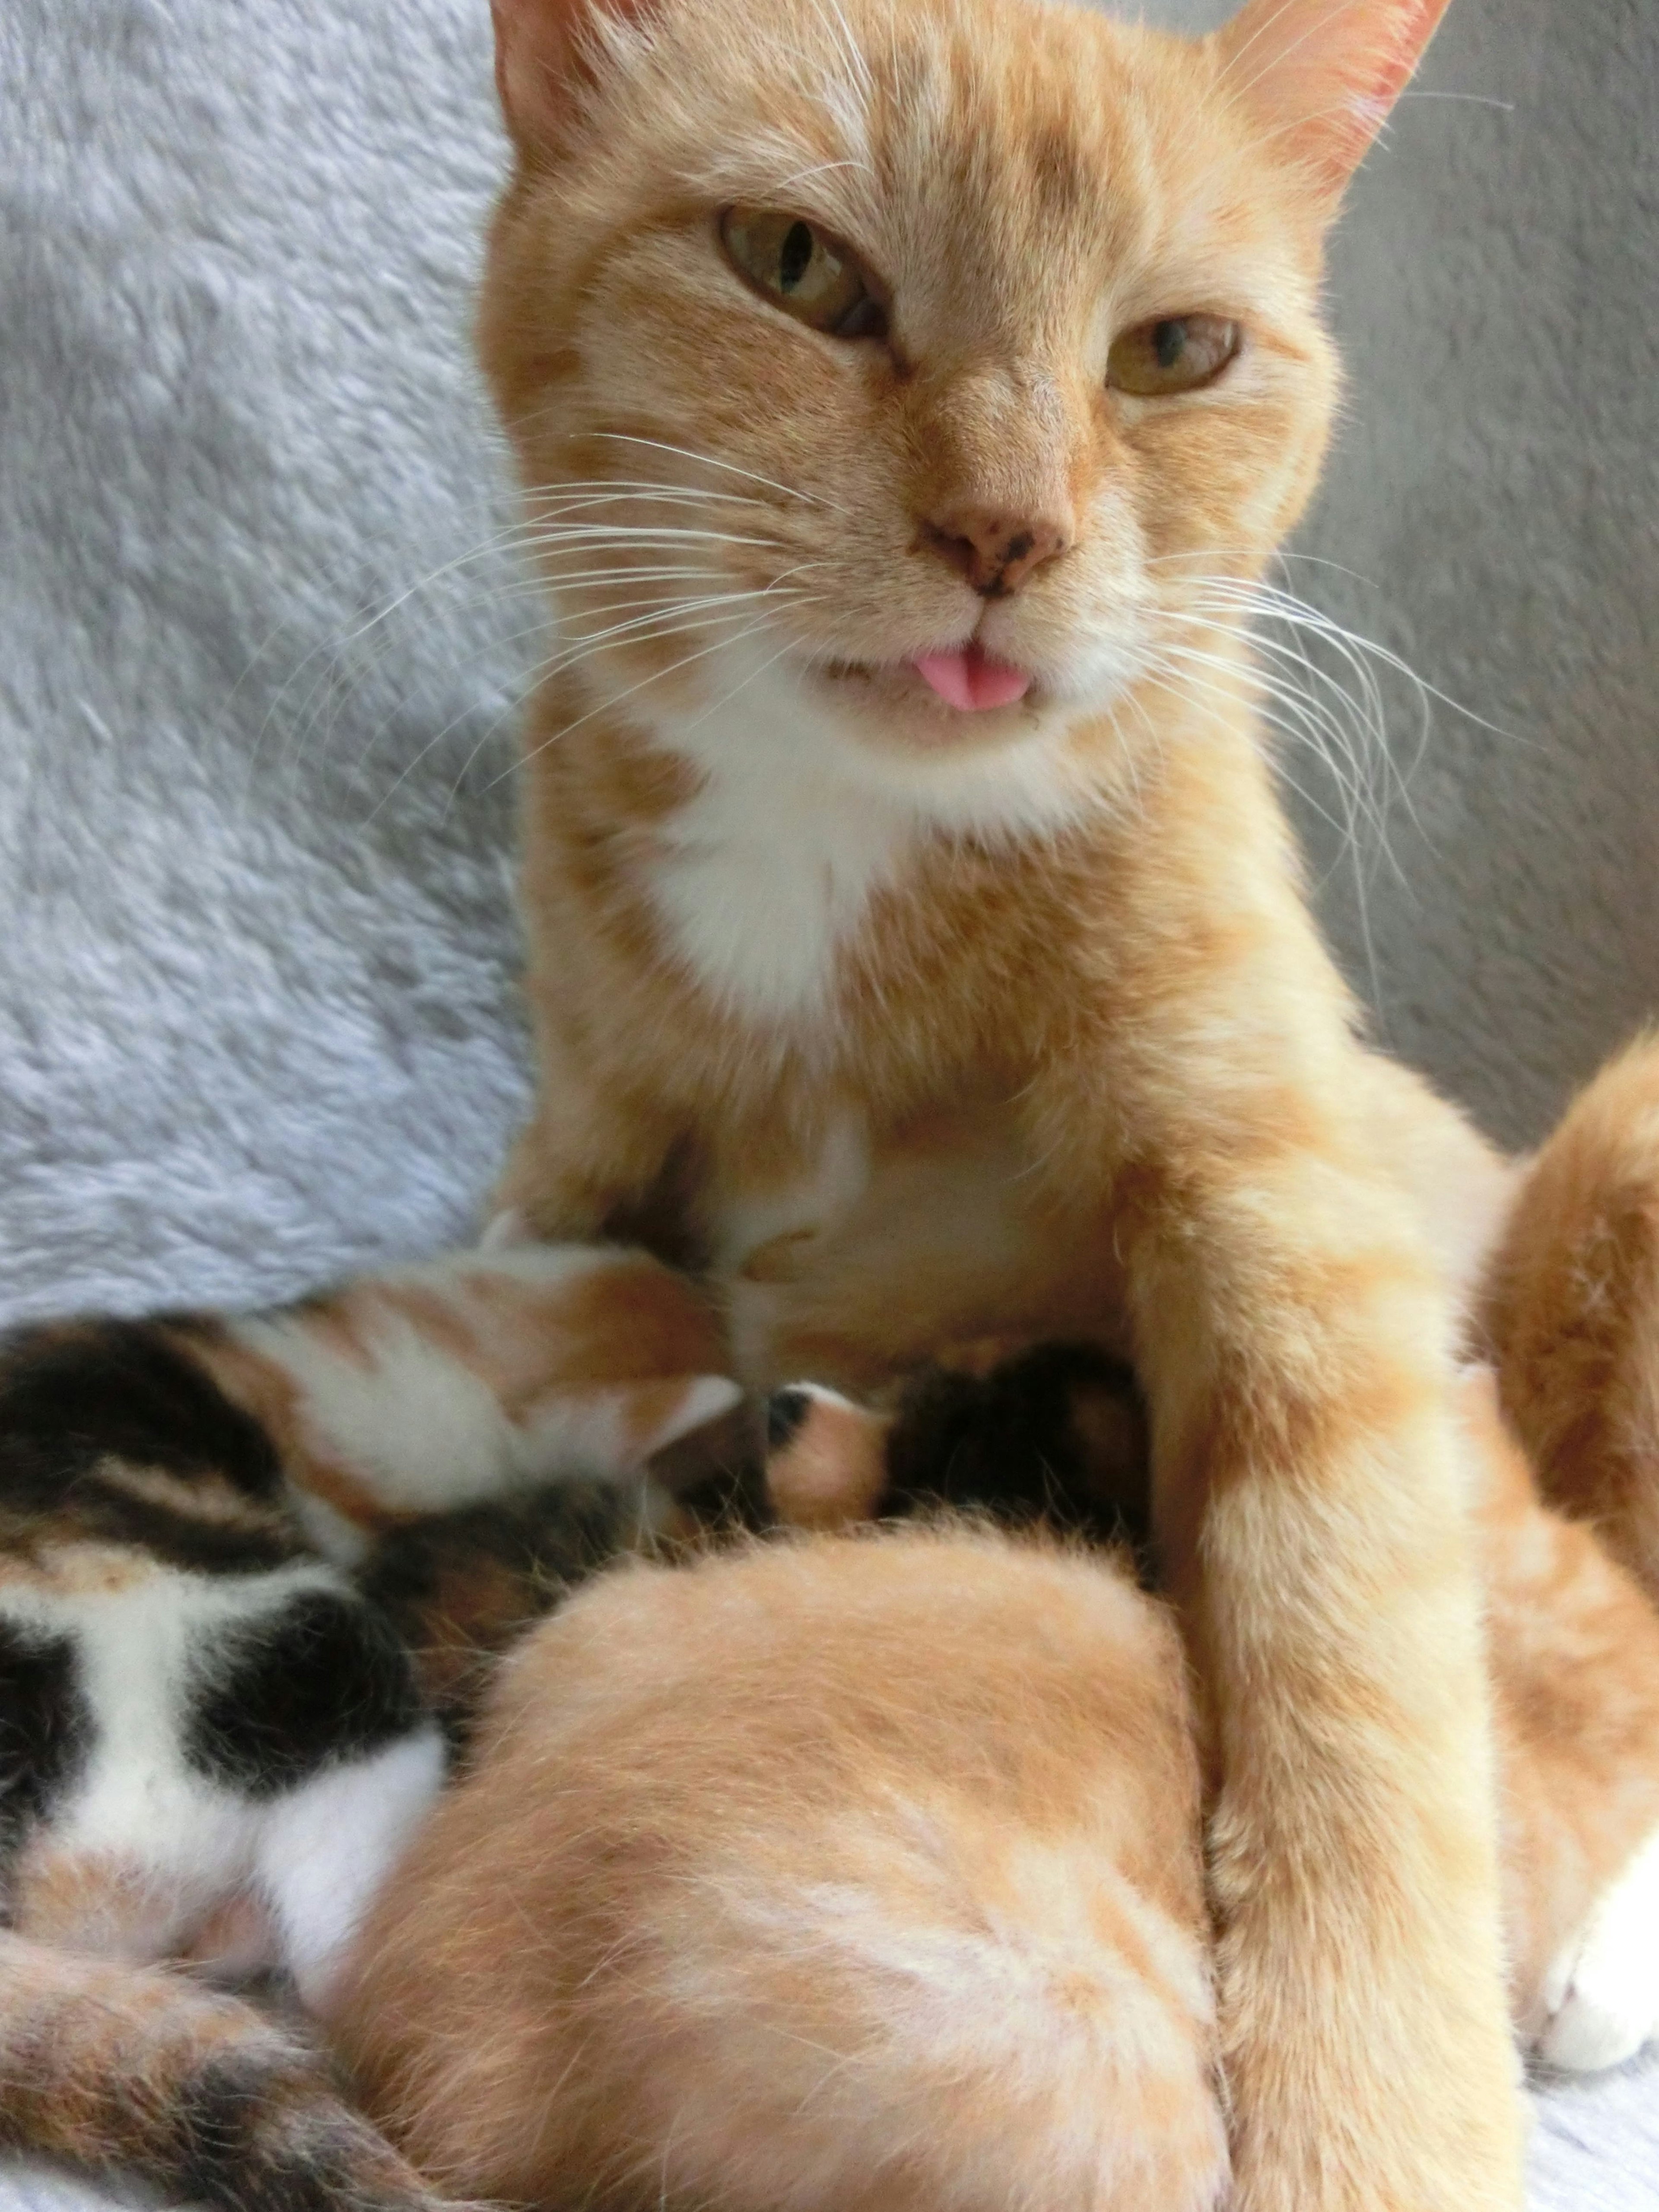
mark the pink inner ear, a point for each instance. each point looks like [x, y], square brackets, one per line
[539, 51]
[1327, 72]
[1415, 26]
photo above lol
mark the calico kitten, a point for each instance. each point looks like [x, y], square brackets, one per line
[909, 396]
[867, 1874]
[216, 1738]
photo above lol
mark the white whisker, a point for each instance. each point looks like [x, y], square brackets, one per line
[540, 674]
[708, 461]
[606, 704]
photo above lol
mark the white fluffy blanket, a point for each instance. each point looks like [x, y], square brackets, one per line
[257, 1013]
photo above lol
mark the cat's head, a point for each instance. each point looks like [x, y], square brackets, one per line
[930, 362]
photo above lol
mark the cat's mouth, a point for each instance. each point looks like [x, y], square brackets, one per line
[965, 678]
[968, 678]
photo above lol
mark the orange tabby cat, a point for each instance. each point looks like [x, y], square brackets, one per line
[909, 393]
[866, 1877]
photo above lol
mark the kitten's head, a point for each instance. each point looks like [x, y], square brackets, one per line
[935, 359]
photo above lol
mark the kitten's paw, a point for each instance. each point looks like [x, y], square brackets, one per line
[825, 1457]
[1601, 1993]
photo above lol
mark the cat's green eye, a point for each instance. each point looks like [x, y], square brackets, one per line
[798, 268]
[1179, 353]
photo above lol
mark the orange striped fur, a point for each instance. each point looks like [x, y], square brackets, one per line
[867, 1874]
[912, 1025]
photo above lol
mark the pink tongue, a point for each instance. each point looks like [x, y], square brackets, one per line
[970, 679]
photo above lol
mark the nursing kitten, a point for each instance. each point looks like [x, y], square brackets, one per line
[913, 1916]
[1571, 1310]
[1054, 1437]
[215, 1736]
[908, 394]
[218, 1740]
[835, 1875]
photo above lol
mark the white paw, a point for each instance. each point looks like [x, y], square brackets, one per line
[1601, 1993]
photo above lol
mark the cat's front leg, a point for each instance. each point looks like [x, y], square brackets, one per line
[1311, 1505]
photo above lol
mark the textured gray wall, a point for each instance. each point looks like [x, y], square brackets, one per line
[1499, 295]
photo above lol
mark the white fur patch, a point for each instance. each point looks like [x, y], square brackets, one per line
[423, 1431]
[316, 1855]
[426, 1433]
[137, 1797]
[766, 876]
[768, 871]
[1603, 1990]
[327, 1848]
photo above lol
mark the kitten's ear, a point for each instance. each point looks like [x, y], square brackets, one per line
[544, 49]
[1322, 75]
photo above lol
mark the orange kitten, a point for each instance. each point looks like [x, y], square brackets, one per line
[1573, 1310]
[843, 1876]
[834, 1874]
[909, 393]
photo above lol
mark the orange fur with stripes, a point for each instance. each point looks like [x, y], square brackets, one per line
[868, 1874]
[911, 1919]
[1573, 1310]
[915, 936]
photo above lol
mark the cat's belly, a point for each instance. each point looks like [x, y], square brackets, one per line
[882, 1255]
[879, 1256]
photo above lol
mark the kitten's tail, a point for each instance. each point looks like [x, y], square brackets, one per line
[139, 2071]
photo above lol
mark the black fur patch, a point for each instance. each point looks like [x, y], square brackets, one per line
[785, 1411]
[1018, 1444]
[74, 1395]
[460, 1588]
[730, 1499]
[253, 2133]
[45, 1728]
[68, 1395]
[325, 1679]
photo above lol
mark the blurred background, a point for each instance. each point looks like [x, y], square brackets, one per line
[256, 1010]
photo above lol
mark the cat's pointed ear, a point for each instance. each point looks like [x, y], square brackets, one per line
[1322, 75]
[544, 50]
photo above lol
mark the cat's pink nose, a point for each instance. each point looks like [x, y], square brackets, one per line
[997, 549]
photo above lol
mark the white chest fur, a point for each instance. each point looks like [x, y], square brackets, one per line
[766, 876]
[765, 880]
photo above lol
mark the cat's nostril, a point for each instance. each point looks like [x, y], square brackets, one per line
[996, 552]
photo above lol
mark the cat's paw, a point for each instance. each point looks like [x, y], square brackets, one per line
[1601, 1992]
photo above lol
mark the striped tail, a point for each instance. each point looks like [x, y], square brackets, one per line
[140, 2071]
